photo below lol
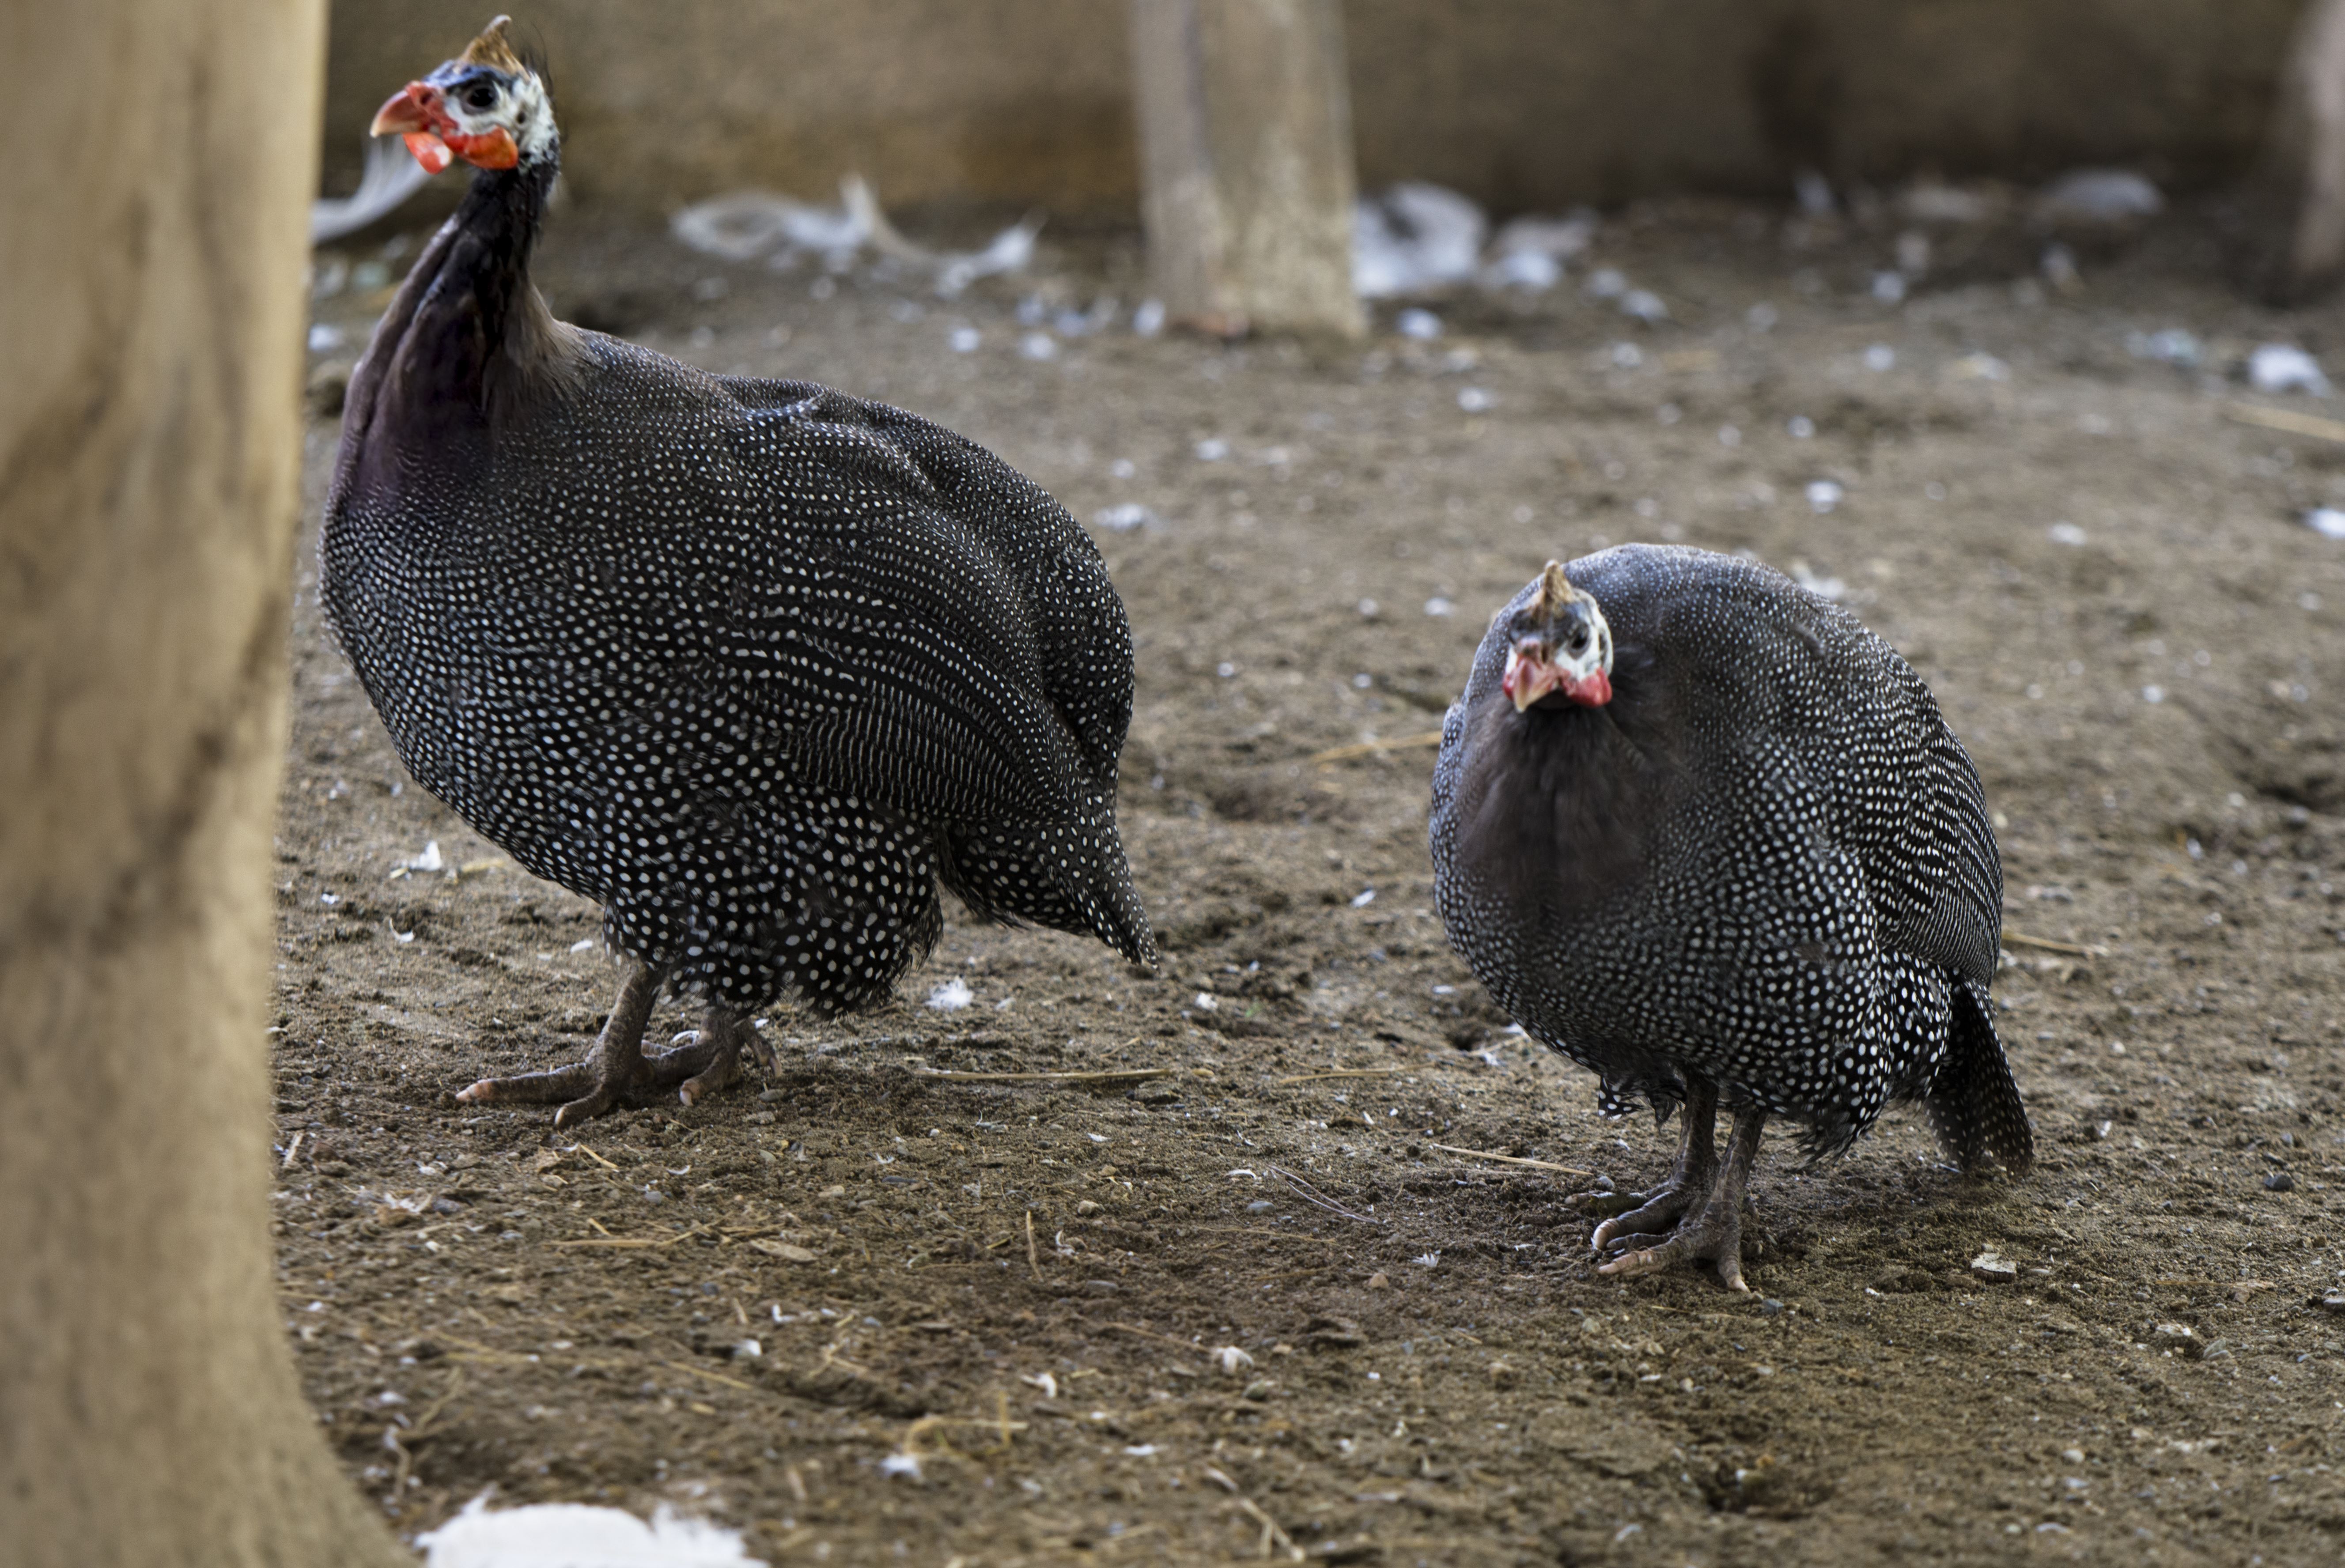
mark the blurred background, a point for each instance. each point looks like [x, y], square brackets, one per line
[1523, 105]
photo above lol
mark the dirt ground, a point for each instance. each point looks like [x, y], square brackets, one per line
[1283, 1297]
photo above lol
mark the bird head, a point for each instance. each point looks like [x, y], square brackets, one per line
[1559, 647]
[487, 106]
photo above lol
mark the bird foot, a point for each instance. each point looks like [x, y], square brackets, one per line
[595, 1088]
[1706, 1237]
[697, 1062]
[1648, 1213]
[713, 1050]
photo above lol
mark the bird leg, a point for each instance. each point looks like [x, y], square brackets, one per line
[1689, 1182]
[617, 1072]
[1714, 1233]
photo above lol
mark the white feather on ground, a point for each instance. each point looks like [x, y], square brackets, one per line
[748, 224]
[575, 1535]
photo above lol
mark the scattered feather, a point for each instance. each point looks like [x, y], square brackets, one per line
[1125, 517]
[2285, 368]
[1830, 588]
[1644, 305]
[1417, 323]
[2098, 196]
[1414, 237]
[575, 1535]
[2169, 346]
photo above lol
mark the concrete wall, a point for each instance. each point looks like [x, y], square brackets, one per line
[1526, 103]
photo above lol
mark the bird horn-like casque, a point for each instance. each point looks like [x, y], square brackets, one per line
[1555, 591]
[491, 49]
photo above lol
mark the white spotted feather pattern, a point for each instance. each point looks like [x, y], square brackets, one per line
[751, 664]
[1766, 861]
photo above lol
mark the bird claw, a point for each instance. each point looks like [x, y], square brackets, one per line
[752, 1037]
[1711, 1237]
[1664, 1203]
[1604, 1201]
[714, 1051]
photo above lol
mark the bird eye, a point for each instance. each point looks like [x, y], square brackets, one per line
[1577, 638]
[482, 97]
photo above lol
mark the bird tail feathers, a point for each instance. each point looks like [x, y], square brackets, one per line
[1069, 878]
[1974, 1102]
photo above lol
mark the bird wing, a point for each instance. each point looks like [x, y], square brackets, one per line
[951, 649]
[1900, 794]
[1932, 857]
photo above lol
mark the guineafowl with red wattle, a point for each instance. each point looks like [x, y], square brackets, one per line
[753, 664]
[1699, 831]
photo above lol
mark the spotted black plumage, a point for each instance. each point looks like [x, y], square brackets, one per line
[753, 665]
[1764, 863]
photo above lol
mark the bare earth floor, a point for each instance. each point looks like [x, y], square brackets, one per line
[1274, 1298]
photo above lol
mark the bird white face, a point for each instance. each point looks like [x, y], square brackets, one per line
[491, 114]
[1561, 647]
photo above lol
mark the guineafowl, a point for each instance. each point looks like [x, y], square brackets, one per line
[753, 664]
[1699, 831]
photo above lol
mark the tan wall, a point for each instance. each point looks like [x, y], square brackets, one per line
[1527, 104]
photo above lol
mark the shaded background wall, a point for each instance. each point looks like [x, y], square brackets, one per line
[1527, 104]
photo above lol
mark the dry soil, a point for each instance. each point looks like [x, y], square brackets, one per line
[1295, 1275]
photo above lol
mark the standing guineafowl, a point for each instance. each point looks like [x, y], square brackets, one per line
[1701, 831]
[753, 664]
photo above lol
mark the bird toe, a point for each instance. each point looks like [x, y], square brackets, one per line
[1645, 1260]
[1604, 1201]
[586, 1107]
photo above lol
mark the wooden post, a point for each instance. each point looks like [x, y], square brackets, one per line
[2297, 216]
[151, 310]
[1246, 178]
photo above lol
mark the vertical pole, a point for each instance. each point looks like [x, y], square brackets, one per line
[1246, 176]
[2298, 226]
[151, 301]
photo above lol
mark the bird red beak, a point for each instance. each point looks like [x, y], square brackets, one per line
[1532, 674]
[416, 113]
[419, 113]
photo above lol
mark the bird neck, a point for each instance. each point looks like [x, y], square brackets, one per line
[1556, 810]
[467, 344]
[500, 217]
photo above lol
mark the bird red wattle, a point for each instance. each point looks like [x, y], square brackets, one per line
[418, 112]
[1532, 675]
[808, 845]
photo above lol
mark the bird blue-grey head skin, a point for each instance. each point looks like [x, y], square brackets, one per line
[752, 664]
[1764, 860]
[488, 106]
